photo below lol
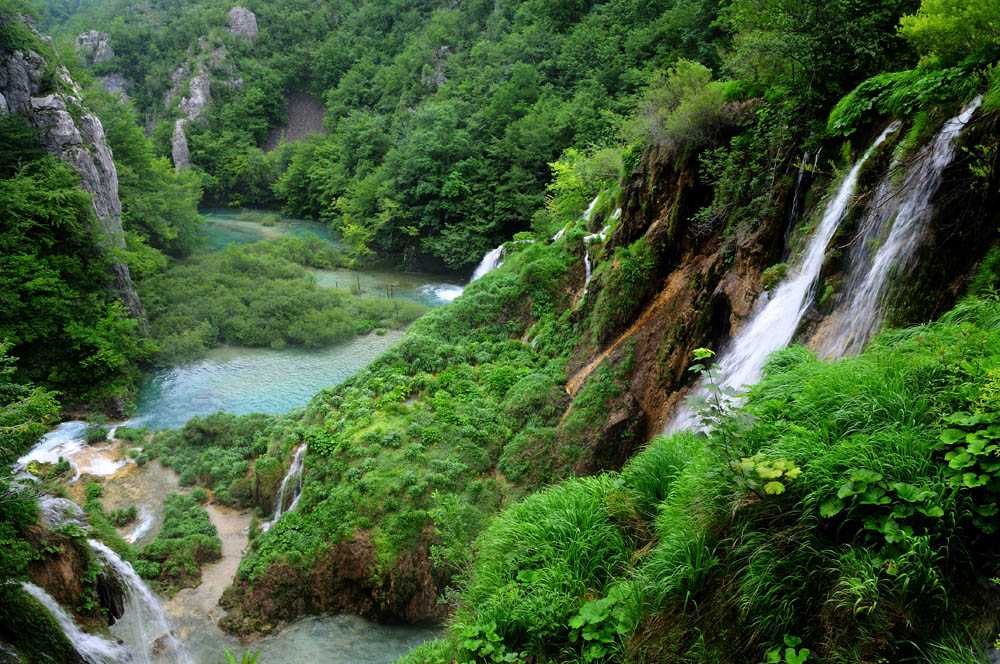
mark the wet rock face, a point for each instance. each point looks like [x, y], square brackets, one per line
[243, 23]
[79, 143]
[111, 596]
[94, 47]
[58, 512]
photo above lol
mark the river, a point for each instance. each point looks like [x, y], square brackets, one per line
[241, 381]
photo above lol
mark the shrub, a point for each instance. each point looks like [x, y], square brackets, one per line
[683, 110]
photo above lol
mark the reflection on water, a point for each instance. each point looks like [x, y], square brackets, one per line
[251, 380]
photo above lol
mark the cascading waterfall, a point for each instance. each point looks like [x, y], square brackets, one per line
[907, 207]
[586, 252]
[290, 490]
[590, 209]
[491, 261]
[777, 317]
[92, 648]
[291, 486]
[144, 621]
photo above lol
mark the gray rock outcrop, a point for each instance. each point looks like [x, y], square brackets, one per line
[199, 95]
[243, 23]
[93, 47]
[79, 143]
[115, 84]
[179, 147]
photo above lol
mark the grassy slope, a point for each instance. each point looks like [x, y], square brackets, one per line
[673, 559]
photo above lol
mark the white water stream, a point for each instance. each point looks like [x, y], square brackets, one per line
[491, 261]
[290, 490]
[777, 317]
[907, 208]
[93, 649]
[144, 625]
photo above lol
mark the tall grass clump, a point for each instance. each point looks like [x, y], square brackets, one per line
[539, 561]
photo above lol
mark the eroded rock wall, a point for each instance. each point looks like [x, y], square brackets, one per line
[52, 103]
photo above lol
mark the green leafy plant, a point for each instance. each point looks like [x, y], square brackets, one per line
[599, 624]
[788, 655]
[485, 645]
[971, 446]
[245, 658]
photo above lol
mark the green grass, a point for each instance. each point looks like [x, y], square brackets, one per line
[699, 569]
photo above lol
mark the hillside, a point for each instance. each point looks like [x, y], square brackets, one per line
[731, 394]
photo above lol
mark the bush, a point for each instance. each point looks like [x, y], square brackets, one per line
[683, 110]
[186, 540]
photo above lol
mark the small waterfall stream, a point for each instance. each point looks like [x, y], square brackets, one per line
[777, 317]
[144, 626]
[291, 486]
[92, 648]
[290, 490]
[491, 261]
[906, 206]
[586, 252]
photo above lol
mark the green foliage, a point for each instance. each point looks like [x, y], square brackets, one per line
[26, 411]
[215, 452]
[248, 657]
[772, 276]
[683, 109]
[887, 511]
[56, 314]
[626, 283]
[949, 31]
[811, 50]
[159, 205]
[187, 540]
[444, 151]
[790, 655]
[259, 295]
[900, 94]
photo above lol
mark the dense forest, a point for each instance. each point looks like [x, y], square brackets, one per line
[659, 174]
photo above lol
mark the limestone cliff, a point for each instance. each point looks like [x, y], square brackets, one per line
[52, 103]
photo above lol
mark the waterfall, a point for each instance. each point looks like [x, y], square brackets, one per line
[144, 626]
[586, 252]
[794, 211]
[907, 208]
[590, 209]
[92, 648]
[777, 317]
[290, 490]
[491, 261]
[291, 485]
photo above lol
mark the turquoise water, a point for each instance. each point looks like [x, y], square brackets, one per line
[224, 228]
[263, 380]
[340, 639]
[251, 380]
[430, 289]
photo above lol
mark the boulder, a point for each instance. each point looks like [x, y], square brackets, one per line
[243, 23]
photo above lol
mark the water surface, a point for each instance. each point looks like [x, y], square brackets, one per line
[251, 380]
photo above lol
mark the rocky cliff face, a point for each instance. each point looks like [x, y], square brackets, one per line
[52, 103]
